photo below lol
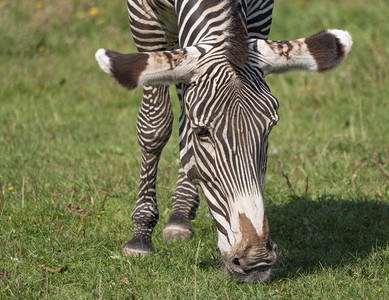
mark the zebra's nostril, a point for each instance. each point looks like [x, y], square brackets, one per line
[275, 248]
[236, 262]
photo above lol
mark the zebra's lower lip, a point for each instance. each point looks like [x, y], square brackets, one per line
[255, 275]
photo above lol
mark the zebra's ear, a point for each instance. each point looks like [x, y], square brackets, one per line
[149, 68]
[320, 52]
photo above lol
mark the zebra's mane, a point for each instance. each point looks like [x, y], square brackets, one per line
[237, 51]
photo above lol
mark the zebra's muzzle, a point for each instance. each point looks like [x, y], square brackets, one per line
[252, 268]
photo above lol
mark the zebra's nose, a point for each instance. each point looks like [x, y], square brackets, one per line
[256, 257]
[247, 264]
[254, 264]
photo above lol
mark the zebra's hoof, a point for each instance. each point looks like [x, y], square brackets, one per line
[177, 228]
[138, 246]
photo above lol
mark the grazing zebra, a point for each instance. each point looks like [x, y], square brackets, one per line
[217, 53]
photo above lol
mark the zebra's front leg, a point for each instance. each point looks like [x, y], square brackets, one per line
[185, 198]
[185, 201]
[154, 128]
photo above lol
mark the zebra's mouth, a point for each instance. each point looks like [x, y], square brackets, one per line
[254, 275]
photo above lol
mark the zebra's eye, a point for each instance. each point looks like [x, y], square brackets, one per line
[202, 132]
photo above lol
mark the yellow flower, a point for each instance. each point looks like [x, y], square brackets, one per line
[41, 48]
[309, 88]
[380, 289]
[10, 188]
[39, 5]
[80, 15]
[98, 216]
[100, 21]
[93, 11]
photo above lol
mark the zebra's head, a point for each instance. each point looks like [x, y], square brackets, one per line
[228, 114]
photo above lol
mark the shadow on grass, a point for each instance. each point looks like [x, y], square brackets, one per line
[326, 232]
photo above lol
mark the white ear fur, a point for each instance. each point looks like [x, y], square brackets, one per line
[103, 61]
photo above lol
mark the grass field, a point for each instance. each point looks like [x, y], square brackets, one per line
[69, 163]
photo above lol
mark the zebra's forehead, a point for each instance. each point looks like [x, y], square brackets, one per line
[208, 103]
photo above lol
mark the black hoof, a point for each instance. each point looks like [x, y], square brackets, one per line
[138, 246]
[177, 228]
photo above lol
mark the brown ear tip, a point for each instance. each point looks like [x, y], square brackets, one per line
[343, 37]
[329, 47]
[127, 68]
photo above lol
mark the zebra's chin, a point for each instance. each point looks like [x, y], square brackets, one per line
[255, 275]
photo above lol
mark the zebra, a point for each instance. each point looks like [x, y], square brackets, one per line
[217, 53]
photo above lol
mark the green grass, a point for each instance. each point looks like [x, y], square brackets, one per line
[67, 136]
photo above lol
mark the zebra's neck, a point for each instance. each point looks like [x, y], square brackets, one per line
[214, 22]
